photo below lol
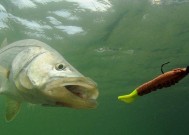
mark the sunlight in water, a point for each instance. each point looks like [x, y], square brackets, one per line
[93, 5]
[65, 14]
[3, 20]
[70, 29]
[46, 1]
[2, 9]
[24, 4]
[33, 25]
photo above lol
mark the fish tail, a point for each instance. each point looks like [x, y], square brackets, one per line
[129, 98]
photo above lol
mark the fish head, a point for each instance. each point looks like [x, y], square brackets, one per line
[50, 80]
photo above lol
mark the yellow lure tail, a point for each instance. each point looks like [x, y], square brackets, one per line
[129, 98]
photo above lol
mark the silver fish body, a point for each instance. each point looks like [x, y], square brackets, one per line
[32, 71]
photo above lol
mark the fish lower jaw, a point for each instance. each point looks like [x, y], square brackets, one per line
[89, 104]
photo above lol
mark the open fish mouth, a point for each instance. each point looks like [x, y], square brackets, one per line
[81, 91]
[78, 92]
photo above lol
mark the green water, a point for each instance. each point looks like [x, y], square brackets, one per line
[120, 45]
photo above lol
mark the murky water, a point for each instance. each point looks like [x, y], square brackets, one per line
[119, 44]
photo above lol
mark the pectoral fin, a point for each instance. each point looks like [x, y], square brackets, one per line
[12, 109]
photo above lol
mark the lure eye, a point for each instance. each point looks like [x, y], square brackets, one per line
[60, 67]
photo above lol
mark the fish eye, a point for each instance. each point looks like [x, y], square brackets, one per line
[60, 67]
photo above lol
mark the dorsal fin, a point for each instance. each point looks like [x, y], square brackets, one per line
[12, 109]
[4, 43]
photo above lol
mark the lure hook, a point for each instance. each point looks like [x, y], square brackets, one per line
[162, 66]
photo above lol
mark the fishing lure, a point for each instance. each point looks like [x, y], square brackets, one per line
[166, 79]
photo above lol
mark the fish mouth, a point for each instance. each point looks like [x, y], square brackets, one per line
[74, 92]
[81, 91]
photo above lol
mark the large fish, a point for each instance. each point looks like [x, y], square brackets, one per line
[33, 72]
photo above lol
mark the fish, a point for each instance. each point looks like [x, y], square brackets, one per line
[164, 80]
[33, 72]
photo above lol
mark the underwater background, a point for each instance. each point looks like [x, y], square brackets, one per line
[120, 44]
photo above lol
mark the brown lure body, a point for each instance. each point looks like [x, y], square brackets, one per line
[164, 80]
